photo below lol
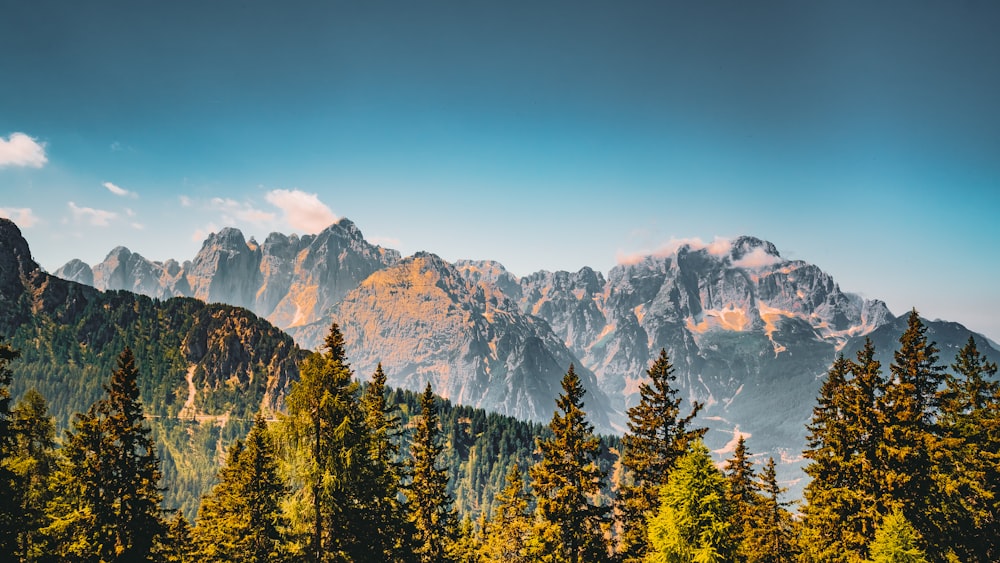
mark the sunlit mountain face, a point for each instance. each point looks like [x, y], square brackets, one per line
[750, 333]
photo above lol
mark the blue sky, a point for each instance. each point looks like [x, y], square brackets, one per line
[864, 139]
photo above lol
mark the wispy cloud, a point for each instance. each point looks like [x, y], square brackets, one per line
[91, 216]
[201, 234]
[757, 258]
[719, 246]
[21, 150]
[388, 242]
[119, 191]
[23, 216]
[302, 211]
[234, 211]
[186, 201]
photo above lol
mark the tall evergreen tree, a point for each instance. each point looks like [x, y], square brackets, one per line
[177, 545]
[771, 539]
[831, 533]
[384, 518]
[34, 463]
[8, 483]
[969, 462]
[910, 435]
[431, 515]
[329, 423]
[693, 522]
[896, 541]
[241, 519]
[658, 436]
[742, 495]
[567, 480]
[107, 507]
[506, 535]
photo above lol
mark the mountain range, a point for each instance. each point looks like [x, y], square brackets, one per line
[749, 332]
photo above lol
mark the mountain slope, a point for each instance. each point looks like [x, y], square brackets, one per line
[750, 333]
[425, 322]
[221, 362]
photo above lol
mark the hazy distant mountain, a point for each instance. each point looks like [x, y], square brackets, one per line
[750, 333]
[289, 280]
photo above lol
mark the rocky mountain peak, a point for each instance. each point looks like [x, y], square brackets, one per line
[15, 259]
[76, 270]
[745, 245]
[228, 238]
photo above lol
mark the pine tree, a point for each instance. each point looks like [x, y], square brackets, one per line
[771, 538]
[969, 424]
[693, 522]
[742, 495]
[506, 535]
[896, 541]
[910, 435]
[107, 507]
[241, 519]
[657, 437]
[329, 422]
[8, 483]
[34, 462]
[429, 504]
[177, 545]
[384, 518]
[567, 480]
[831, 533]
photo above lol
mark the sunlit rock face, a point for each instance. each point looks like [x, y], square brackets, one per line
[425, 321]
[750, 334]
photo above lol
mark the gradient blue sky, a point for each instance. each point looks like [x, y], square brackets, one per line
[546, 135]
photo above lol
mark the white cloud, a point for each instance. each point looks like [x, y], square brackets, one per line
[91, 216]
[138, 226]
[200, 235]
[186, 201]
[303, 211]
[21, 150]
[387, 242]
[757, 258]
[119, 191]
[23, 216]
[718, 247]
[233, 211]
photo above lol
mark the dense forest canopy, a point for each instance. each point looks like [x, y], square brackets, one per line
[904, 466]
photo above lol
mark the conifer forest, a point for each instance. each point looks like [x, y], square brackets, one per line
[903, 462]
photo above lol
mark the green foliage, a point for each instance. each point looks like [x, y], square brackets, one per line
[9, 485]
[896, 541]
[241, 519]
[327, 420]
[384, 521]
[846, 442]
[177, 545]
[567, 481]
[969, 464]
[240, 362]
[910, 436]
[693, 522]
[431, 515]
[107, 503]
[657, 437]
[769, 531]
[742, 495]
[33, 463]
[506, 536]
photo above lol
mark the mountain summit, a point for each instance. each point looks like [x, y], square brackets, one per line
[749, 332]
